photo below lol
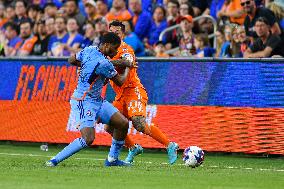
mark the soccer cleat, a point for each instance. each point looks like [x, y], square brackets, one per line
[116, 163]
[51, 163]
[136, 150]
[172, 152]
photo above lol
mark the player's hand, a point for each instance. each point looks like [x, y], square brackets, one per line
[130, 64]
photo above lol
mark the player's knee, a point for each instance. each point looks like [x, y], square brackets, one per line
[108, 129]
[89, 139]
[124, 124]
[138, 123]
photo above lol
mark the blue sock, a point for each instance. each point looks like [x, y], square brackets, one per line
[115, 149]
[72, 148]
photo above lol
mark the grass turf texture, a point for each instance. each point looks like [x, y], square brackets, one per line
[85, 170]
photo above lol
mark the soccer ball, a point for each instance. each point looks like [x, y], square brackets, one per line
[193, 156]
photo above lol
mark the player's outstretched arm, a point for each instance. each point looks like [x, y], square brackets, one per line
[73, 61]
[119, 79]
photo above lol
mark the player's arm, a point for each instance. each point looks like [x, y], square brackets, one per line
[119, 79]
[121, 63]
[73, 61]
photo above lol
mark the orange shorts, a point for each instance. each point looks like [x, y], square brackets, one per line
[133, 102]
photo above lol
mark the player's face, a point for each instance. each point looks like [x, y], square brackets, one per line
[109, 49]
[117, 30]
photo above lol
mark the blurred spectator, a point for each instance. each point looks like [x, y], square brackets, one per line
[159, 23]
[220, 38]
[72, 11]
[173, 18]
[186, 9]
[41, 46]
[253, 13]
[277, 7]
[133, 40]
[225, 48]
[101, 28]
[11, 40]
[90, 9]
[173, 12]
[28, 38]
[10, 13]
[49, 25]
[118, 11]
[20, 10]
[243, 39]
[202, 46]
[267, 45]
[141, 19]
[101, 8]
[50, 10]
[186, 37]
[89, 36]
[55, 43]
[3, 19]
[74, 38]
[232, 10]
[235, 46]
[33, 11]
[160, 49]
[62, 12]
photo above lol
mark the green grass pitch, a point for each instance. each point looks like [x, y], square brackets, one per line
[22, 167]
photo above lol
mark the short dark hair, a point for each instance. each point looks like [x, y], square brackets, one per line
[34, 7]
[118, 23]
[49, 5]
[174, 2]
[26, 21]
[13, 26]
[162, 8]
[24, 2]
[75, 1]
[111, 38]
[262, 19]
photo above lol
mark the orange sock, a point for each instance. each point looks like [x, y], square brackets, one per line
[154, 132]
[129, 142]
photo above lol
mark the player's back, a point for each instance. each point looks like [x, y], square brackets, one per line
[125, 51]
[95, 68]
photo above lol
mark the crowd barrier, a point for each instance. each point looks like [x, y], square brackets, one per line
[221, 105]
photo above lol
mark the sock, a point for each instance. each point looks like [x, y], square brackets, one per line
[115, 149]
[154, 132]
[129, 143]
[72, 148]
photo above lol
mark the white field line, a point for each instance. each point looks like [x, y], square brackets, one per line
[147, 162]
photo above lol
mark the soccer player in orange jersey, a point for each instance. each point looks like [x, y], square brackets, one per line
[131, 100]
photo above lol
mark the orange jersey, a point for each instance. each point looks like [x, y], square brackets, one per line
[132, 80]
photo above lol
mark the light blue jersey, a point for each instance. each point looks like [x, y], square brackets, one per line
[86, 102]
[95, 69]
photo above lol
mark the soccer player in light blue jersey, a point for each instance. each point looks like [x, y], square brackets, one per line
[87, 104]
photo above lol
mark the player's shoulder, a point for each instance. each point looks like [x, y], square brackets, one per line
[124, 47]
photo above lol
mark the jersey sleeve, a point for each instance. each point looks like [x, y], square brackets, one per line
[80, 55]
[106, 69]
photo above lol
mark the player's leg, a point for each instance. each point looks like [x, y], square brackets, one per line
[137, 112]
[119, 125]
[86, 121]
[129, 143]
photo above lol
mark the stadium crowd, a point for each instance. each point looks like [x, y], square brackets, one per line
[245, 28]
